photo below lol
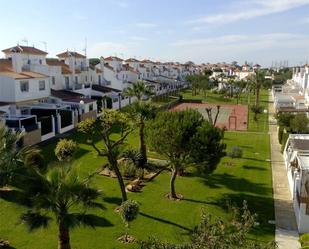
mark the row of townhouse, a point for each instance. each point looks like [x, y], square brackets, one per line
[296, 159]
[231, 69]
[49, 96]
[293, 96]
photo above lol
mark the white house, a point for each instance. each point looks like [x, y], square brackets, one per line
[296, 157]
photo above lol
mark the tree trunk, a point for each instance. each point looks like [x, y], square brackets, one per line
[257, 95]
[172, 184]
[64, 237]
[142, 144]
[120, 179]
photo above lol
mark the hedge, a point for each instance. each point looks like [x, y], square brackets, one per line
[280, 133]
[285, 137]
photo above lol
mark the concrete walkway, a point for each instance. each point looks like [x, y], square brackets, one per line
[286, 229]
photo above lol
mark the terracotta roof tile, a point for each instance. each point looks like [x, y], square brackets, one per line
[70, 53]
[113, 58]
[25, 50]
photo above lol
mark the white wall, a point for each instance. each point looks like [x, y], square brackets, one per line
[33, 93]
[7, 89]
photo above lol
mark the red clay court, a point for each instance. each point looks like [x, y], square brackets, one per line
[232, 117]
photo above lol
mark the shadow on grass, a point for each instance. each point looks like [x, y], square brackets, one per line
[97, 221]
[215, 203]
[260, 205]
[253, 168]
[165, 221]
[253, 159]
[112, 200]
[236, 184]
[14, 196]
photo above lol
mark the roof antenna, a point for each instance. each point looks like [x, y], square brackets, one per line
[85, 49]
[25, 40]
[45, 45]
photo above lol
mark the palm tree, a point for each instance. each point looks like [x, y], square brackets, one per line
[64, 195]
[141, 111]
[138, 90]
[11, 157]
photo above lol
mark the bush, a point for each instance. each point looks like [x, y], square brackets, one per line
[304, 240]
[65, 149]
[129, 210]
[35, 160]
[128, 169]
[280, 133]
[236, 152]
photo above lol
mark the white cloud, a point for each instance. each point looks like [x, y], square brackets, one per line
[261, 48]
[146, 25]
[256, 8]
[106, 48]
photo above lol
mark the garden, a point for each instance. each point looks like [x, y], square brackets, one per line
[243, 172]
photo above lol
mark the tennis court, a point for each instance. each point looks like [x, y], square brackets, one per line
[232, 117]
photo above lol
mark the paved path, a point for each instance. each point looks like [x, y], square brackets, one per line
[286, 228]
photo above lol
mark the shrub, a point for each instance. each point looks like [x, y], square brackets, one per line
[280, 133]
[65, 149]
[304, 240]
[129, 211]
[236, 152]
[35, 160]
[128, 169]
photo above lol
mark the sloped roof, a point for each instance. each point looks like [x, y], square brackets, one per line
[131, 60]
[104, 89]
[6, 70]
[113, 58]
[64, 67]
[24, 50]
[70, 53]
[65, 94]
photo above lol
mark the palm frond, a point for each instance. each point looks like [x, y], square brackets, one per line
[35, 220]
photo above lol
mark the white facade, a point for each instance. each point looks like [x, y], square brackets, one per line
[296, 157]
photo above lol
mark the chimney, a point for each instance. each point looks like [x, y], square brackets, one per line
[72, 68]
[16, 62]
[102, 62]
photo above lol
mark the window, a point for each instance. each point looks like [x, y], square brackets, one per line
[76, 79]
[67, 80]
[53, 80]
[91, 78]
[40, 61]
[42, 85]
[91, 107]
[24, 86]
[99, 79]
[29, 62]
[86, 79]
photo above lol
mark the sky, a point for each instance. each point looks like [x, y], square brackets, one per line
[258, 31]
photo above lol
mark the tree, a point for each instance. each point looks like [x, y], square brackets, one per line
[104, 127]
[299, 123]
[171, 134]
[65, 149]
[141, 112]
[240, 85]
[259, 80]
[284, 119]
[11, 157]
[62, 193]
[217, 233]
[128, 212]
[138, 90]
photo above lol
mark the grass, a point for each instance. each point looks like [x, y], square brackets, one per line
[249, 178]
[260, 126]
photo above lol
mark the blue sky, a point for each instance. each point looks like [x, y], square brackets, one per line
[180, 30]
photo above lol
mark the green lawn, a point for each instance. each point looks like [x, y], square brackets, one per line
[260, 126]
[248, 178]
